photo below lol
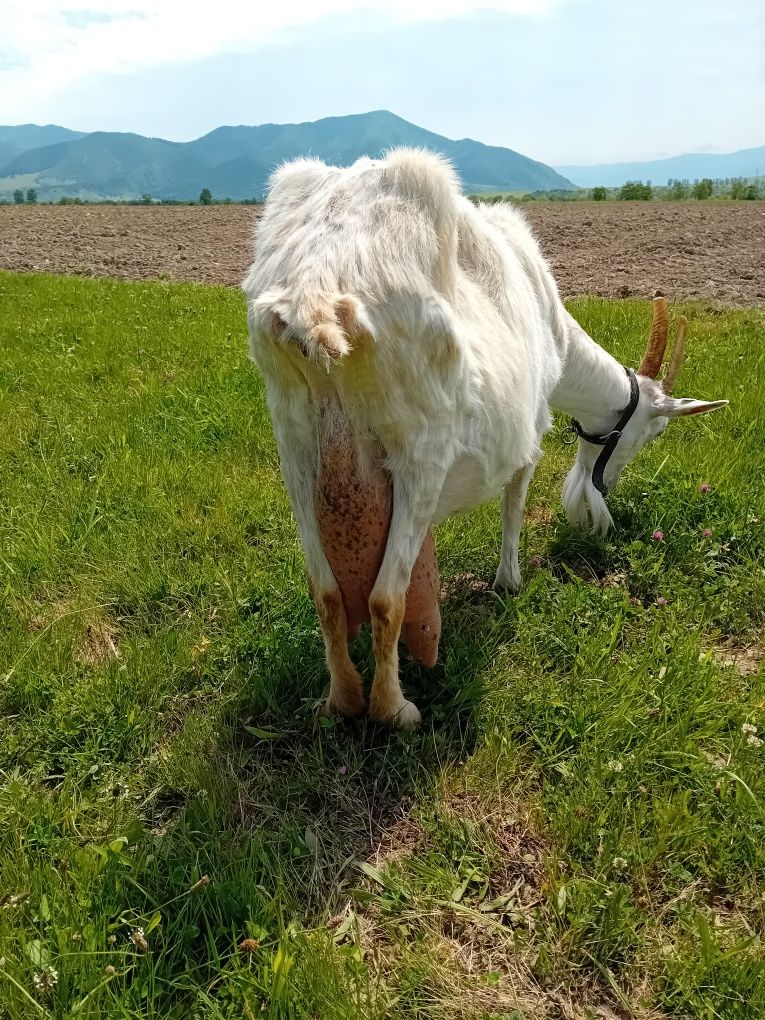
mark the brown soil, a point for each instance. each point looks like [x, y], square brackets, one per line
[710, 250]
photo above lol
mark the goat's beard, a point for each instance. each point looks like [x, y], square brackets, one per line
[583, 504]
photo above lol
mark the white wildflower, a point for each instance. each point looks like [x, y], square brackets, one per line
[45, 980]
[620, 863]
[614, 766]
[753, 741]
[748, 728]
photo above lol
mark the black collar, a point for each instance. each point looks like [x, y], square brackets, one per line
[610, 440]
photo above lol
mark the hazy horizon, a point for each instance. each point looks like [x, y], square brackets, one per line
[562, 81]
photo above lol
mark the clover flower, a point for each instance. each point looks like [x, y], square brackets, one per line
[138, 938]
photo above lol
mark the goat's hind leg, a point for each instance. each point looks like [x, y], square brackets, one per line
[296, 441]
[416, 489]
[346, 694]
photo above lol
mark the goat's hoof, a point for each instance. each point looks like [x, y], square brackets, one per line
[504, 583]
[408, 717]
[349, 704]
[405, 716]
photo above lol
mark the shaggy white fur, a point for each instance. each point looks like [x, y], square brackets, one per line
[381, 301]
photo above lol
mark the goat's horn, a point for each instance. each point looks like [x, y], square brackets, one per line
[676, 359]
[657, 342]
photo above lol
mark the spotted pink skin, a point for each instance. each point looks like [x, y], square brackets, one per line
[353, 514]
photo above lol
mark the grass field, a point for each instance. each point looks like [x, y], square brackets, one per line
[576, 831]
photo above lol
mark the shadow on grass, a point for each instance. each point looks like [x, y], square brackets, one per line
[574, 551]
[278, 808]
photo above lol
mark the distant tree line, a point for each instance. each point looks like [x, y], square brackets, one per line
[734, 188]
[206, 197]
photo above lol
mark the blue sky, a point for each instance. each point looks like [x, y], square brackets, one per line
[564, 81]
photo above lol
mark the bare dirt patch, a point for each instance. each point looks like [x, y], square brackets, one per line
[709, 250]
[745, 658]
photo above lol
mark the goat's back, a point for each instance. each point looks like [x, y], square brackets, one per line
[381, 287]
[377, 230]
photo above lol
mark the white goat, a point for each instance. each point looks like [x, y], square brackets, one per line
[384, 305]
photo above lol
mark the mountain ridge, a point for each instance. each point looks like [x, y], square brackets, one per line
[18, 138]
[236, 161]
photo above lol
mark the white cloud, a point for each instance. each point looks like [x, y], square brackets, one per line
[49, 45]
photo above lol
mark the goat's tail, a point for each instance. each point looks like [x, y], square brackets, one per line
[324, 326]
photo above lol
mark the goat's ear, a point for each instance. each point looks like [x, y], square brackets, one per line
[671, 407]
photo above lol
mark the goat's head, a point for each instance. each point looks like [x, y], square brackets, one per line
[599, 463]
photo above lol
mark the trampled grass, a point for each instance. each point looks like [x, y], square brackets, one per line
[576, 831]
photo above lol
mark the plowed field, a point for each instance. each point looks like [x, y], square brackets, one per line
[710, 250]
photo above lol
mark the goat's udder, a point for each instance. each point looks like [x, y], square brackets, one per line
[353, 512]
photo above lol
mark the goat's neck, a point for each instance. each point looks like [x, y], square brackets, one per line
[594, 388]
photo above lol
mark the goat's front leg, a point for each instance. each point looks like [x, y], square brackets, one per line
[297, 444]
[513, 504]
[416, 489]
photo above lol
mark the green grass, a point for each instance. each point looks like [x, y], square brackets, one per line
[577, 826]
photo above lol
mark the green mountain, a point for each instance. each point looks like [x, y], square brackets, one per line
[691, 166]
[111, 164]
[22, 137]
[235, 162]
